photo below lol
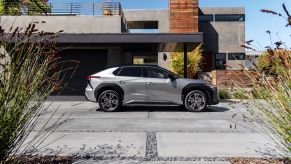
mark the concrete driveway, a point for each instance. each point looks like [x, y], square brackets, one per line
[153, 133]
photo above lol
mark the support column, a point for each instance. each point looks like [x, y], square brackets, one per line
[185, 61]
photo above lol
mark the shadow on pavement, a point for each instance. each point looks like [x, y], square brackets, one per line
[169, 109]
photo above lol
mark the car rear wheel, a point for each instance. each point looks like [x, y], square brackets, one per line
[109, 101]
[195, 101]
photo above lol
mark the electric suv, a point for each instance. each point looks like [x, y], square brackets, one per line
[140, 85]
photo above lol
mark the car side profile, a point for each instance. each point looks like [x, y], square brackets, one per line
[140, 85]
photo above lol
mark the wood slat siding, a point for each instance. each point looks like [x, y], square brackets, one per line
[184, 15]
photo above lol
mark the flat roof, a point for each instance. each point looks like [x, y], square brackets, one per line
[130, 38]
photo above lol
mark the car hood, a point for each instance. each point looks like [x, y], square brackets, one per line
[192, 81]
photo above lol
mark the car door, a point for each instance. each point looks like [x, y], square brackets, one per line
[131, 80]
[160, 88]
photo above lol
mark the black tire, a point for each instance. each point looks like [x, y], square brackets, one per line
[109, 101]
[195, 101]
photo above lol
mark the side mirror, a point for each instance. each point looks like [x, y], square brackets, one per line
[172, 77]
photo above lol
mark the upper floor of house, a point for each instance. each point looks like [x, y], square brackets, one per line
[109, 17]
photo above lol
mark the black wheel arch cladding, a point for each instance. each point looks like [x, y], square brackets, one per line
[108, 86]
[200, 87]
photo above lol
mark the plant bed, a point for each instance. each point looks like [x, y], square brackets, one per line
[242, 160]
[43, 159]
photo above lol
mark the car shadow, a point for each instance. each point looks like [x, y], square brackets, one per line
[169, 109]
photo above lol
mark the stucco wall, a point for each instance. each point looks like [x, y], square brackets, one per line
[224, 37]
[230, 36]
[161, 15]
[222, 10]
[70, 24]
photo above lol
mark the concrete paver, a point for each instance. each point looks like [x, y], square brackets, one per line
[112, 144]
[143, 125]
[214, 145]
[177, 134]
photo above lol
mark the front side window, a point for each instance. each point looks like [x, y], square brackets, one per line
[131, 72]
[156, 73]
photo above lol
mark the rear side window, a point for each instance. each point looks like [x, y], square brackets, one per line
[116, 71]
[131, 72]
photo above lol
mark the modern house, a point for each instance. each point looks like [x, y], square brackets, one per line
[102, 35]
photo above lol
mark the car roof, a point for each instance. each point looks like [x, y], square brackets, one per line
[140, 65]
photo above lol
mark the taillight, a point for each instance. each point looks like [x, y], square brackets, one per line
[92, 77]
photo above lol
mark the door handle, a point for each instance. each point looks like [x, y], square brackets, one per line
[151, 83]
[121, 82]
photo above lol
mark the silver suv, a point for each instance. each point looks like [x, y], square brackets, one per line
[139, 85]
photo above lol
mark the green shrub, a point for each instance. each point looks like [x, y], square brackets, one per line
[194, 62]
[223, 94]
[239, 94]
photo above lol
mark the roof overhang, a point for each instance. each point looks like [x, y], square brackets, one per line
[130, 38]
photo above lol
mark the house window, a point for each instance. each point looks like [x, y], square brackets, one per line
[205, 18]
[220, 61]
[152, 60]
[236, 56]
[230, 17]
[143, 26]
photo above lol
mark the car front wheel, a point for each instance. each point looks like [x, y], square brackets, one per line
[109, 101]
[195, 101]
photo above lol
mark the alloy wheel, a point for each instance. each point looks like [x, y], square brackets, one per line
[109, 101]
[195, 101]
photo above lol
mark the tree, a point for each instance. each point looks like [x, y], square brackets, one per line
[194, 62]
[14, 7]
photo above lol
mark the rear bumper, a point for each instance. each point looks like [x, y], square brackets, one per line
[89, 94]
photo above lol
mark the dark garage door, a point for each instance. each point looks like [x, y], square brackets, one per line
[90, 62]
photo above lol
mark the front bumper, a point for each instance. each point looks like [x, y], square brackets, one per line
[215, 99]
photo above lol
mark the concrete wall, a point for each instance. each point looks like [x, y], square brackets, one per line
[114, 57]
[70, 24]
[223, 37]
[164, 63]
[223, 10]
[161, 15]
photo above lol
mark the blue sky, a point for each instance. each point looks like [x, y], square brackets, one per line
[257, 23]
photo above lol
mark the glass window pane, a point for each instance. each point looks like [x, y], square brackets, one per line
[230, 17]
[156, 73]
[131, 72]
[236, 56]
[220, 61]
[205, 18]
[150, 60]
[143, 24]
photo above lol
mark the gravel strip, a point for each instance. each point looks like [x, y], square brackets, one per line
[151, 146]
[198, 159]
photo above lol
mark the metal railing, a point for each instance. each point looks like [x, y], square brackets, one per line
[98, 8]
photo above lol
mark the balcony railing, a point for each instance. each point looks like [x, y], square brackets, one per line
[74, 9]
